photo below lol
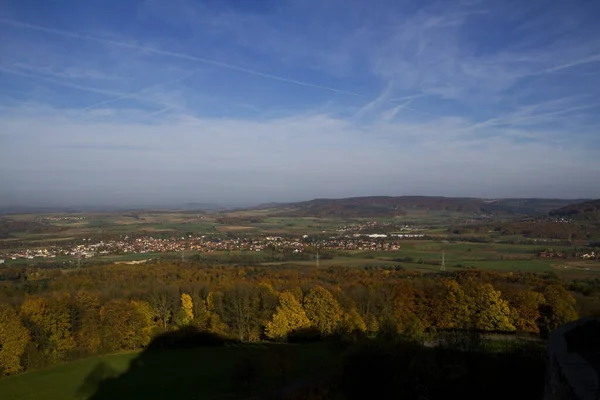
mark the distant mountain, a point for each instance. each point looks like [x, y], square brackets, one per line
[198, 206]
[588, 210]
[387, 206]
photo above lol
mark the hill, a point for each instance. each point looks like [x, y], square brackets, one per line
[388, 206]
[589, 210]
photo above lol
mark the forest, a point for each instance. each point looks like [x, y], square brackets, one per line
[50, 316]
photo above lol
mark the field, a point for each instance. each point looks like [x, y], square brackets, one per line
[206, 373]
[41, 230]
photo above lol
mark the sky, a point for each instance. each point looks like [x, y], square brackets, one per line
[137, 102]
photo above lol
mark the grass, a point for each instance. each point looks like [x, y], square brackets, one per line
[203, 373]
[59, 382]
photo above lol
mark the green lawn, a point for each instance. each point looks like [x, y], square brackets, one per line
[59, 382]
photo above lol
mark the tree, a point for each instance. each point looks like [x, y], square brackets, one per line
[353, 323]
[489, 311]
[86, 325]
[162, 304]
[404, 306]
[50, 323]
[214, 305]
[561, 306]
[126, 325]
[13, 340]
[241, 311]
[323, 310]
[185, 314]
[525, 310]
[454, 311]
[289, 316]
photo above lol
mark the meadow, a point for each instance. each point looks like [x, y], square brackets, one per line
[199, 373]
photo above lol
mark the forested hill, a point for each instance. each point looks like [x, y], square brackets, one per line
[387, 206]
[589, 210]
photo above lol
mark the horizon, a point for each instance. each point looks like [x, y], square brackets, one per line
[213, 206]
[118, 104]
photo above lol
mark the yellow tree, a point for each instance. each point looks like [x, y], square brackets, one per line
[454, 311]
[323, 310]
[13, 339]
[561, 306]
[289, 316]
[214, 306]
[186, 314]
[489, 310]
[352, 322]
[525, 310]
[126, 325]
[50, 322]
[87, 330]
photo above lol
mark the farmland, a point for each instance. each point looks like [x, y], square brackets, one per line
[483, 249]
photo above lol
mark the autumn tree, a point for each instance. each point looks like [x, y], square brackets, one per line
[163, 304]
[241, 307]
[185, 315]
[404, 306]
[352, 323]
[13, 339]
[126, 325]
[323, 310]
[454, 309]
[489, 311]
[86, 325]
[289, 316]
[214, 305]
[50, 324]
[561, 306]
[525, 310]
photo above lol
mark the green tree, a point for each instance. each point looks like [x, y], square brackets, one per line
[289, 316]
[14, 337]
[323, 310]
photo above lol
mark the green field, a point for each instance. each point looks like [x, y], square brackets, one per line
[62, 381]
[199, 373]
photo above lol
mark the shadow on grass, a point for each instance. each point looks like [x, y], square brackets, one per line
[172, 365]
[192, 364]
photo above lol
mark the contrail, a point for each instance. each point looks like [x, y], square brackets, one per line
[174, 55]
[84, 88]
[61, 83]
[135, 94]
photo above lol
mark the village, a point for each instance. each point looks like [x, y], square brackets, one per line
[148, 244]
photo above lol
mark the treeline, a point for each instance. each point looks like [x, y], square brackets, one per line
[48, 316]
[8, 227]
[535, 229]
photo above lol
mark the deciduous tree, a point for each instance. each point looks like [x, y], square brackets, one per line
[525, 310]
[289, 316]
[13, 340]
[323, 310]
[561, 306]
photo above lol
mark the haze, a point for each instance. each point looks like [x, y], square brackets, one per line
[156, 102]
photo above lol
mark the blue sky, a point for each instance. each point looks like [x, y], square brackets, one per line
[160, 102]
